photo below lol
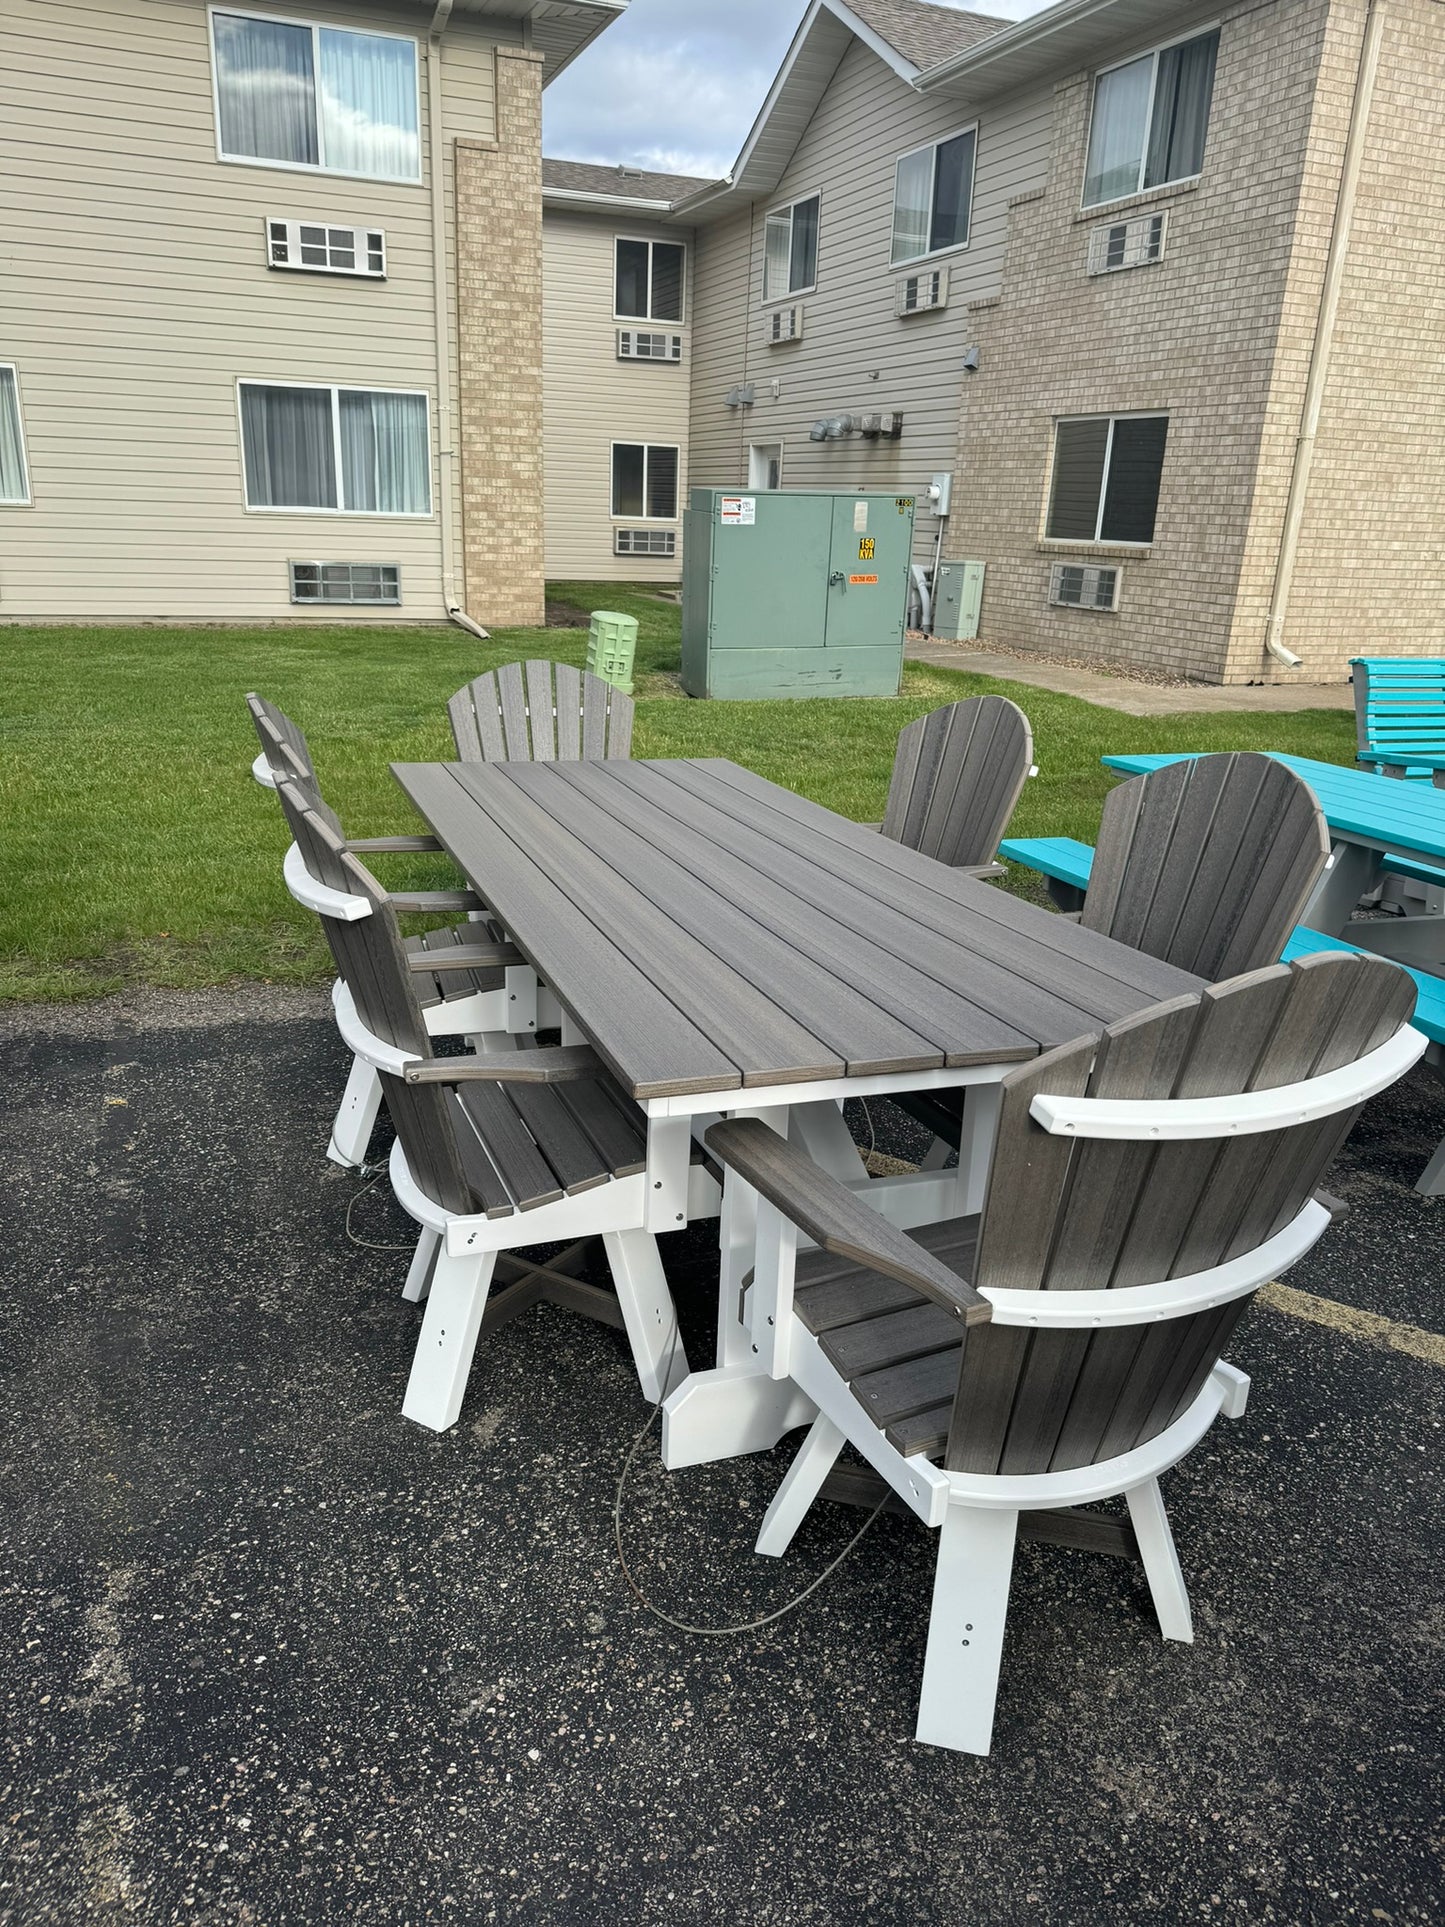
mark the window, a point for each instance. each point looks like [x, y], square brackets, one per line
[644, 481]
[351, 451]
[932, 195]
[1150, 117]
[317, 249]
[1106, 478]
[14, 481]
[649, 280]
[790, 249]
[345, 582]
[295, 95]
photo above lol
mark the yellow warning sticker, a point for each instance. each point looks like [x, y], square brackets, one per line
[865, 549]
[903, 503]
[862, 578]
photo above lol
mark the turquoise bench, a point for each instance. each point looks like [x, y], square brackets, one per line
[1066, 862]
[1400, 714]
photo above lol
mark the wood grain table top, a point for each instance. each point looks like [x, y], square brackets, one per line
[711, 931]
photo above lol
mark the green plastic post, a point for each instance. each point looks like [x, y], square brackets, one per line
[611, 647]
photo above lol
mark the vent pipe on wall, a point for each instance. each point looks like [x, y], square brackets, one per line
[1324, 334]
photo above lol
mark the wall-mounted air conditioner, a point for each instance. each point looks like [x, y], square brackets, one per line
[921, 292]
[785, 324]
[1127, 244]
[635, 344]
[1084, 585]
[316, 247]
[644, 542]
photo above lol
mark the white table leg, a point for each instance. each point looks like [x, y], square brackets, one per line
[1354, 871]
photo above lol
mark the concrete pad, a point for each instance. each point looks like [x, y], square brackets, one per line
[1133, 698]
[273, 1656]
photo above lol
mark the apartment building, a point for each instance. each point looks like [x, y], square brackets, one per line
[616, 371]
[1159, 285]
[269, 327]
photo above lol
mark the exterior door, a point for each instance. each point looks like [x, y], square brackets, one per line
[867, 572]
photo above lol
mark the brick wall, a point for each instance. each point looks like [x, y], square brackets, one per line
[499, 350]
[1369, 577]
[1192, 336]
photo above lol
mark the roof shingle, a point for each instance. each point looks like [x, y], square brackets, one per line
[923, 33]
[620, 183]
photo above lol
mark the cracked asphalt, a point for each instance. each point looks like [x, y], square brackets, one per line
[273, 1656]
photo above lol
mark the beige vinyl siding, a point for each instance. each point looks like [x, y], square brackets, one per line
[137, 295]
[591, 399]
[856, 356]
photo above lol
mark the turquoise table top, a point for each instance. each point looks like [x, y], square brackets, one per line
[1384, 812]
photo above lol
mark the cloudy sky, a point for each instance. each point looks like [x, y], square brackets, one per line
[675, 84]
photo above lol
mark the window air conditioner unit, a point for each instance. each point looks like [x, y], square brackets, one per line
[920, 292]
[1083, 585]
[634, 344]
[785, 324]
[314, 247]
[345, 581]
[644, 542]
[1127, 244]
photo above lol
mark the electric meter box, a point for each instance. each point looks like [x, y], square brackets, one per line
[794, 592]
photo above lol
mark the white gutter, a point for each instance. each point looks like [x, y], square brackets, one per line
[446, 455]
[1304, 450]
[602, 203]
[1026, 33]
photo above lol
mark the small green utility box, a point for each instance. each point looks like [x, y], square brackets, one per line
[794, 592]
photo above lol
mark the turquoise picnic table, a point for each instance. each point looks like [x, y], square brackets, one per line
[1379, 827]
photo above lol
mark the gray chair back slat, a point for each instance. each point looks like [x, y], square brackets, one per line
[957, 774]
[282, 742]
[1207, 863]
[1066, 1213]
[538, 711]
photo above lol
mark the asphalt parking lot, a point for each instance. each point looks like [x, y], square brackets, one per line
[273, 1656]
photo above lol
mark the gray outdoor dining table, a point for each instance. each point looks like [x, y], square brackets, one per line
[730, 948]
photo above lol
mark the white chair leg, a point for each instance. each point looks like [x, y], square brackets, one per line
[648, 1313]
[802, 1483]
[965, 1628]
[454, 1308]
[1431, 1181]
[418, 1278]
[360, 1102]
[936, 1157]
[1161, 1561]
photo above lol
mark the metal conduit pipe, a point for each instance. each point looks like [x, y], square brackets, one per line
[1319, 367]
[446, 455]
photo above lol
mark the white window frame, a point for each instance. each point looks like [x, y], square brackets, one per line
[755, 449]
[644, 445]
[954, 247]
[650, 323]
[1096, 540]
[317, 167]
[27, 500]
[334, 389]
[1144, 53]
[786, 207]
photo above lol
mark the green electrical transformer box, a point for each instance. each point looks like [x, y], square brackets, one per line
[794, 592]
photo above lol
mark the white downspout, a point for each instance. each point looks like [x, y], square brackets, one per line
[446, 455]
[1324, 333]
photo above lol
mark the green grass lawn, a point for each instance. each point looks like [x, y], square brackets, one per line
[138, 849]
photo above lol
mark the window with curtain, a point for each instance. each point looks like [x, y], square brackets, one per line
[649, 277]
[1107, 470]
[790, 249]
[311, 96]
[14, 481]
[644, 480]
[933, 197]
[1150, 119]
[352, 451]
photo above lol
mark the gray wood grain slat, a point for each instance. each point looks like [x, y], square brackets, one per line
[619, 727]
[529, 1177]
[512, 695]
[1048, 949]
[569, 712]
[618, 1137]
[594, 718]
[831, 976]
[900, 1391]
[764, 1041]
[558, 1136]
[539, 709]
[645, 1039]
[482, 1176]
[841, 920]
[892, 1338]
[827, 1002]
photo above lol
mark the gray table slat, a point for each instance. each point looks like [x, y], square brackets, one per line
[644, 1038]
